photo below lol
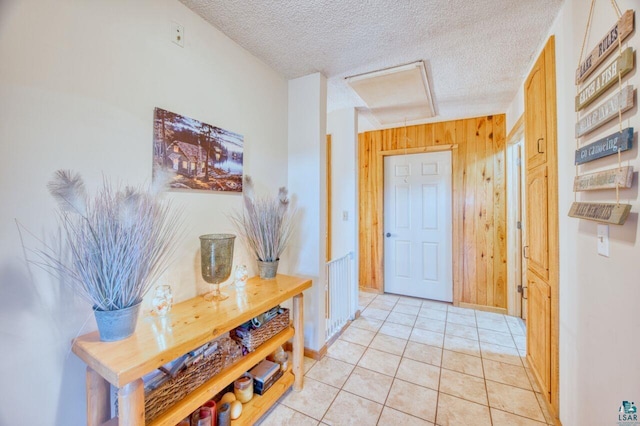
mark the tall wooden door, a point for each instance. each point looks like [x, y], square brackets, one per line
[418, 225]
[537, 248]
[539, 328]
[536, 116]
[541, 249]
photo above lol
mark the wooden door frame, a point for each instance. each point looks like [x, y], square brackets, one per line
[455, 231]
[515, 136]
[554, 251]
[327, 305]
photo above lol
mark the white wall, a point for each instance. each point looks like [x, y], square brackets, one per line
[307, 178]
[341, 125]
[515, 110]
[78, 84]
[598, 295]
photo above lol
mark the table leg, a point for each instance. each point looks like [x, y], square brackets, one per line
[131, 404]
[98, 398]
[298, 342]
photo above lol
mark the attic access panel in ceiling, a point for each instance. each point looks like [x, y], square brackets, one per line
[396, 95]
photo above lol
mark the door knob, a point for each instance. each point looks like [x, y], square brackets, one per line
[388, 234]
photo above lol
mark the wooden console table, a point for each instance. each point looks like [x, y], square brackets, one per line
[189, 325]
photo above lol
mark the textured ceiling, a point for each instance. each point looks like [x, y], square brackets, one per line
[477, 52]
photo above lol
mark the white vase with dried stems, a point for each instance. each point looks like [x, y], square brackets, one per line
[115, 246]
[265, 225]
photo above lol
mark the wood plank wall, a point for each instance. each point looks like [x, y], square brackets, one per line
[479, 209]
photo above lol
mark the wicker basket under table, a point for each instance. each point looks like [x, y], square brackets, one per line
[164, 396]
[258, 336]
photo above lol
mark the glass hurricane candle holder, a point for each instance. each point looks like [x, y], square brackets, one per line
[216, 251]
[241, 276]
[162, 300]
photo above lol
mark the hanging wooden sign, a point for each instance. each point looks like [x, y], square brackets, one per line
[606, 146]
[621, 177]
[615, 214]
[622, 101]
[607, 44]
[607, 78]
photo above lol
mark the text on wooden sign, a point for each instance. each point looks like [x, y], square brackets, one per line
[621, 177]
[615, 214]
[622, 101]
[607, 44]
[606, 146]
[607, 78]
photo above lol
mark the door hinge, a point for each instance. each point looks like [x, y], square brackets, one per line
[518, 225]
[520, 289]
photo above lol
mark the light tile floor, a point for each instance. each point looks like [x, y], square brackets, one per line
[408, 362]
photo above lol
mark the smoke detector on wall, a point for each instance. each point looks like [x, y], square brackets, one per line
[396, 95]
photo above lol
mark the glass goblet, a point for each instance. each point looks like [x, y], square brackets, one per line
[216, 251]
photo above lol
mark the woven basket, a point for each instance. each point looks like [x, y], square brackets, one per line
[173, 390]
[253, 338]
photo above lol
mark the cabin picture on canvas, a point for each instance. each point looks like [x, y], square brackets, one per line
[197, 155]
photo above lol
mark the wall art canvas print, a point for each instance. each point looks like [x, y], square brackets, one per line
[197, 155]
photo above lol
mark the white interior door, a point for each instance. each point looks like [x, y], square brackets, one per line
[417, 223]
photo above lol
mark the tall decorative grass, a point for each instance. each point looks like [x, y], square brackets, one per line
[116, 245]
[266, 223]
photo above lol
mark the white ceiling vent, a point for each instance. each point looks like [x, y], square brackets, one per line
[396, 95]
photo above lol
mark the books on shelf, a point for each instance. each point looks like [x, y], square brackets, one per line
[264, 371]
[260, 388]
[265, 374]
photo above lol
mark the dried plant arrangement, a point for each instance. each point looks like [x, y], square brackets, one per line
[266, 223]
[116, 244]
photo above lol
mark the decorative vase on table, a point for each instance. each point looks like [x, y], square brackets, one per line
[216, 252]
[241, 276]
[267, 270]
[265, 225]
[162, 300]
[114, 247]
[118, 324]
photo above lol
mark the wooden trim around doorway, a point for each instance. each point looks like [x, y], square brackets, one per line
[327, 296]
[514, 251]
[554, 218]
[419, 150]
[517, 131]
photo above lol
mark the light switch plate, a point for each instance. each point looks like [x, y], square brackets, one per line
[603, 240]
[177, 33]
